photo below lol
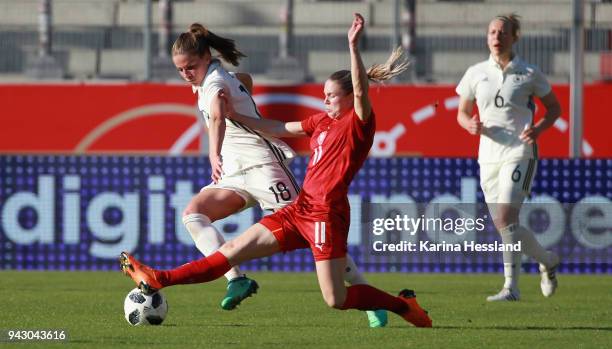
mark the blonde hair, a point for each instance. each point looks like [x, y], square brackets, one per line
[512, 19]
[396, 64]
[198, 40]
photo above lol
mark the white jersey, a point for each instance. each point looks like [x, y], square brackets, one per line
[242, 147]
[506, 106]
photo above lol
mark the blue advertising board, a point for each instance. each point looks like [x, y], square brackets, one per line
[80, 212]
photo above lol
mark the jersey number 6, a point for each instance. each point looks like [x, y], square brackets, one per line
[499, 100]
[516, 174]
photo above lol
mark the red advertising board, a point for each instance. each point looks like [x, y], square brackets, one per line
[160, 118]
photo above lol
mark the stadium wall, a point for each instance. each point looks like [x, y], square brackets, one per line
[79, 212]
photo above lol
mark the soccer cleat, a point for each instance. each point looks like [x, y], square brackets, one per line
[377, 318]
[505, 294]
[549, 282]
[237, 290]
[415, 314]
[143, 276]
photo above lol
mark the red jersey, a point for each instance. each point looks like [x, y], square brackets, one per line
[338, 149]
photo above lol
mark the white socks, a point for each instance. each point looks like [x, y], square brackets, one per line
[352, 275]
[512, 259]
[529, 246]
[532, 248]
[206, 237]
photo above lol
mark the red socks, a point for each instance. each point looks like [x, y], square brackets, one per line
[362, 297]
[203, 270]
[366, 297]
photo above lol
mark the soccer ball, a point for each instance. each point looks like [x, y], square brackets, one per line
[143, 309]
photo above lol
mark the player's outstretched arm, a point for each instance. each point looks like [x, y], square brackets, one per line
[270, 127]
[363, 108]
[267, 126]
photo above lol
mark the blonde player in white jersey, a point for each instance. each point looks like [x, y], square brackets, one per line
[503, 87]
[247, 168]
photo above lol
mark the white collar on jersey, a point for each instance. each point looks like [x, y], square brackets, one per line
[511, 65]
[214, 64]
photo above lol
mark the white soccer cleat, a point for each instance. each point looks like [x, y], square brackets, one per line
[505, 295]
[549, 281]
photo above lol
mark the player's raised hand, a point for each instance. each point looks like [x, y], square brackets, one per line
[474, 126]
[356, 29]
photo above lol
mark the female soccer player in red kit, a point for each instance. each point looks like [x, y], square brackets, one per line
[340, 140]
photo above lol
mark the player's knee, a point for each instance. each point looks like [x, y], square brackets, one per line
[508, 229]
[189, 210]
[504, 222]
[193, 208]
[505, 218]
[196, 217]
[228, 247]
[196, 206]
[237, 252]
[334, 300]
[500, 224]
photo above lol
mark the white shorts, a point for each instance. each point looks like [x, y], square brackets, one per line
[507, 182]
[272, 186]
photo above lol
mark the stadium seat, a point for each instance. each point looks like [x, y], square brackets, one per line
[125, 64]
[591, 64]
[449, 66]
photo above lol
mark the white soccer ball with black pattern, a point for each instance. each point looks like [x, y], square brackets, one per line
[143, 309]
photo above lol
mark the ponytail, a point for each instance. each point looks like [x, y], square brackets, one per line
[198, 40]
[396, 64]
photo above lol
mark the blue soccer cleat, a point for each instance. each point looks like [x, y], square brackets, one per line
[237, 290]
[377, 318]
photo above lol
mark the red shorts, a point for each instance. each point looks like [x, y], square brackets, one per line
[325, 234]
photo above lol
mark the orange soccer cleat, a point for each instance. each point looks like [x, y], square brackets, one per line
[143, 276]
[415, 314]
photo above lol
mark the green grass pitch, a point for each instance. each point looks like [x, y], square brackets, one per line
[288, 312]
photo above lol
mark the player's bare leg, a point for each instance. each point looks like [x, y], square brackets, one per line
[330, 274]
[256, 242]
[365, 297]
[210, 205]
[352, 276]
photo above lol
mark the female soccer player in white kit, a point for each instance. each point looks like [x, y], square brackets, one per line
[247, 168]
[503, 87]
